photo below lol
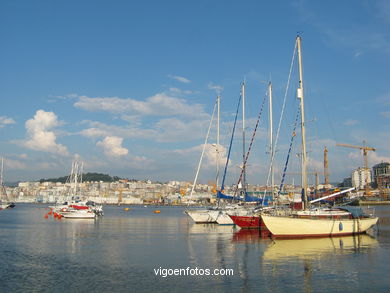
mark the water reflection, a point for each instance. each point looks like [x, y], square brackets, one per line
[315, 248]
[122, 249]
[211, 229]
[250, 236]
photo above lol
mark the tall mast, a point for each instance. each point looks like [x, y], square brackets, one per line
[300, 96]
[243, 136]
[217, 147]
[271, 137]
[2, 169]
[203, 151]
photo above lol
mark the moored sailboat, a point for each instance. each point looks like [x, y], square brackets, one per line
[76, 208]
[204, 215]
[4, 200]
[314, 222]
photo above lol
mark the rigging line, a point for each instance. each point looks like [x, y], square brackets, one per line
[250, 144]
[230, 146]
[289, 152]
[204, 147]
[282, 113]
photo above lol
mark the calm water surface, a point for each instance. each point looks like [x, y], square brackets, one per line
[121, 252]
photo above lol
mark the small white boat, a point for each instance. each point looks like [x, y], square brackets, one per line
[4, 206]
[79, 214]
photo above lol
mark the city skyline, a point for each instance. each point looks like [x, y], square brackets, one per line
[129, 87]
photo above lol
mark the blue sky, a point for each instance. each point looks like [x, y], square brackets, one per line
[128, 87]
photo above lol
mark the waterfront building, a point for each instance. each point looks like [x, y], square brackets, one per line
[359, 177]
[381, 171]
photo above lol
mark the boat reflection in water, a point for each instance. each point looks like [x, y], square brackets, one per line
[315, 248]
[251, 235]
[211, 230]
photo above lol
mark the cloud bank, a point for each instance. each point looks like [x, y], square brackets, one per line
[40, 134]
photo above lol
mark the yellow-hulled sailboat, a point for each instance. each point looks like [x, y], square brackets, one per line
[319, 222]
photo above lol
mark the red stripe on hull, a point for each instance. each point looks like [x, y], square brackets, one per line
[244, 222]
[79, 207]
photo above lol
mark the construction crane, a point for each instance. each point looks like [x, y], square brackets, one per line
[326, 166]
[365, 151]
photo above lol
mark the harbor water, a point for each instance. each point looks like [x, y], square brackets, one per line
[137, 250]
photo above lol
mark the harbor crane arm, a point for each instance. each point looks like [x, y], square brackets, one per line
[356, 147]
[365, 150]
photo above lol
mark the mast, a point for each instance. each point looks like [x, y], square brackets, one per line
[217, 147]
[203, 151]
[243, 137]
[2, 169]
[303, 130]
[271, 137]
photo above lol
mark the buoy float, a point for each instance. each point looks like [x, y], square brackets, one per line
[126, 209]
[157, 211]
[46, 216]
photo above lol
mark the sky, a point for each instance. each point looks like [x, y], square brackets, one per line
[128, 87]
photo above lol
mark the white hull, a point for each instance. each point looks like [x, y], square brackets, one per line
[284, 226]
[3, 206]
[221, 217]
[79, 215]
[200, 216]
[224, 219]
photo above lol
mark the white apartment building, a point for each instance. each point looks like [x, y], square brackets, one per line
[359, 177]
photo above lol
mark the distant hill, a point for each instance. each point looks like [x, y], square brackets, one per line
[86, 177]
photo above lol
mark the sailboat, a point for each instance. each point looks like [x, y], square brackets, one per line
[205, 215]
[74, 207]
[3, 196]
[339, 221]
[249, 218]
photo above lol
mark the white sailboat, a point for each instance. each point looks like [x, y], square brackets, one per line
[74, 207]
[317, 222]
[4, 200]
[204, 215]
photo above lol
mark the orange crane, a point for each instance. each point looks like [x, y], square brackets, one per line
[365, 151]
[326, 166]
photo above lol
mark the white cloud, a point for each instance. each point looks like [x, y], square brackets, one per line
[180, 78]
[6, 121]
[173, 129]
[164, 130]
[217, 88]
[175, 90]
[210, 155]
[375, 158]
[350, 122]
[14, 164]
[112, 146]
[97, 129]
[157, 105]
[41, 138]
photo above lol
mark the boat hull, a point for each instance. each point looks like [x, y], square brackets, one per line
[224, 219]
[200, 216]
[289, 227]
[246, 222]
[79, 215]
